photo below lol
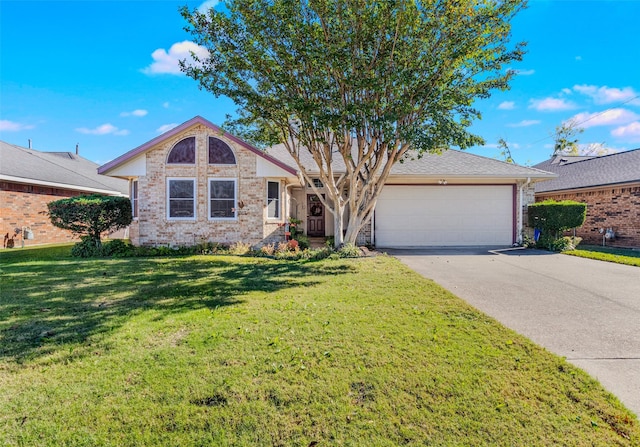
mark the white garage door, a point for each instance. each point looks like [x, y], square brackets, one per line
[451, 215]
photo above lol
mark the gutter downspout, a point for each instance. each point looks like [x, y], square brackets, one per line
[520, 210]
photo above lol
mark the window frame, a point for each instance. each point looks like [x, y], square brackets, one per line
[134, 195]
[278, 201]
[235, 198]
[186, 163]
[195, 197]
[233, 153]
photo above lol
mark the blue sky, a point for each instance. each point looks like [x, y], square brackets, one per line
[103, 74]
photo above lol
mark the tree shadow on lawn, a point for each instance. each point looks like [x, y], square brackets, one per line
[46, 305]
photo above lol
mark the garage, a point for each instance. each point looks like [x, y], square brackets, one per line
[444, 215]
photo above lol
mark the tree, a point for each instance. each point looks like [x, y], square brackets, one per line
[566, 138]
[505, 151]
[368, 83]
[91, 215]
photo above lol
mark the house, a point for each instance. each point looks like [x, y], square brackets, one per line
[29, 179]
[198, 183]
[609, 185]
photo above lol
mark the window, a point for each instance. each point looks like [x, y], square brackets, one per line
[134, 198]
[220, 153]
[184, 152]
[181, 198]
[273, 200]
[317, 183]
[222, 199]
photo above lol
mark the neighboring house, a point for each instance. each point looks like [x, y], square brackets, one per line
[609, 185]
[30, 179]
[197, 183]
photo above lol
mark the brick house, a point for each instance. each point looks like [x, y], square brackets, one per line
[30, 179]
[609, 185]
[197, 183]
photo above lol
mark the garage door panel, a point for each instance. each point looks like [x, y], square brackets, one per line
[451, 215]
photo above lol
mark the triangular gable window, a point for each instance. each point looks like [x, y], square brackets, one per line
[220, 153]
[184, 152]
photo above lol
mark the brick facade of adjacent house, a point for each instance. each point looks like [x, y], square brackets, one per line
[616, 207]
[153, 227]
[24, 206]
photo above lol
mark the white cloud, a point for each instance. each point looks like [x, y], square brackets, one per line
[524, 123]
[567, 91]
[578, 58]
[104, 129]
[507, 105]
[525, 72]
[165, 104]
[611, 117]
[608, 95]
[630, 132]
[203, 8]
[168, 62]
[137, 112]
[598, 149]
[12, 126]
[551, 104]
[166, 127]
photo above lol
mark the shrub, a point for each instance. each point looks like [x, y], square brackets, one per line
[303, 241]
[239, 248]
[349, 251]
[86, 248]
[90, 215]
[116, 248]
[552, 218]
[268, 249]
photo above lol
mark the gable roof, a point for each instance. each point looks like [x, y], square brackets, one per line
[56, 169]
[104, 169]
[450, 163]
[613, 169]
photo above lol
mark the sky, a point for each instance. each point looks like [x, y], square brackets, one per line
[104, 75]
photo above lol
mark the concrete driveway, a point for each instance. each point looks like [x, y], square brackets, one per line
[587, 311]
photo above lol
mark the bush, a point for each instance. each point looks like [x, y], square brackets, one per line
[552, 218]
[349, 251]
[239, 248]
[116, 248]
[90, 215]
[86, 248]
[303, 241]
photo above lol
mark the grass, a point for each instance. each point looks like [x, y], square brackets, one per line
[210, 350]
[618, 255]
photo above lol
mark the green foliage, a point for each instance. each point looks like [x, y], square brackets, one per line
[303, 241]
[552, 217]
[383, 77]
[566, 243]
[566, 139]
[91, 215]
[349, 251]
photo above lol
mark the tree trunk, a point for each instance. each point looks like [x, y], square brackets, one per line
[338, 227]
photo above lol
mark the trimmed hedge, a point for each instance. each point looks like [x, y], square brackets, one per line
[91, 215]
[552, 218]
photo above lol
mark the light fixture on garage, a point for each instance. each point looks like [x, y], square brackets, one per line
[442, 182]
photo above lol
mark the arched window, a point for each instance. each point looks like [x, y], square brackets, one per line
[220, 153]
[184, 152]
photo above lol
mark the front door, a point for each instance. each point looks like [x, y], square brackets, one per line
[315, 216]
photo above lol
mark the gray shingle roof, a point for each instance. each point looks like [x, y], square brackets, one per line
[622, 167]
[451, 163]
[63, 168]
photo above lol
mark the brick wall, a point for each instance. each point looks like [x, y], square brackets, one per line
[26, 206]
[154, 228]
[617, 208]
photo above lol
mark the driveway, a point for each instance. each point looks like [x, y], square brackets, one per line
[585, 310]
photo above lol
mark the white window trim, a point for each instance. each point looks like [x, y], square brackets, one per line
[235, 199]
[279, 218]
[195, 198]
[135, 201]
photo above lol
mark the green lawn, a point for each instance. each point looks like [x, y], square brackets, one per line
[232, 351]
[609, 254]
